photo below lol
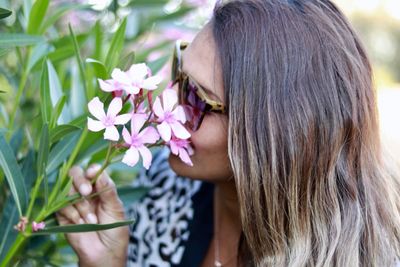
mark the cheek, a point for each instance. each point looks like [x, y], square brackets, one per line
[211, 137]
[210, 159]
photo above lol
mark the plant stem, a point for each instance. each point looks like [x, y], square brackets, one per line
[105, 164]
[13, 250]
[65, 169]
[34, 192]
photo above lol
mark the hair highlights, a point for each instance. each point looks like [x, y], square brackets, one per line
[313, 185]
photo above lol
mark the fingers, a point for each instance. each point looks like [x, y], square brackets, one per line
[108, 196]
[85, 209]
[81, 184]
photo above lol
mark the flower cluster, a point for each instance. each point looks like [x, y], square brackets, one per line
[152, 123]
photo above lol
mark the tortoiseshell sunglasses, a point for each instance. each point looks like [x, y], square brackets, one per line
[191, 95]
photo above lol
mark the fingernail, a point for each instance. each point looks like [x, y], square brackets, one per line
[84, 189]
[93, 170]
[91, 218]
[81, 221]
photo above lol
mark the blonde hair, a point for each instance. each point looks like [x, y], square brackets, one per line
[313, 185]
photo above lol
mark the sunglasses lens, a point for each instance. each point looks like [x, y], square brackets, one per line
[194, 106]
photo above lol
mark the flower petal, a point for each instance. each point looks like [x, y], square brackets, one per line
[94, 125]
[157, 108]
[96, 108]
[122, 119]
[137, 71]
[183, 155]
[179, 114]
[179, 130]
[126, 136]
[165, 131]
[170, 99]
[174, 147]
[132, 90]
[146, 156]
[131, 157]
[114, 107]
[149, 135]
[137, 122]
[120, 76]
[111, 133]
[151, 83]
[106, 85]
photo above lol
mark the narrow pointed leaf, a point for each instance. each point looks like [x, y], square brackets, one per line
[60, 131]
[79, 228]
[45, 103]
[44, 148]
[12, 40]
[16, 141]
[57, 14]
[7, 233]
[37, 15]
[61, 151]
[58, 109]
[13, 175]
[79, 59]
[116, 46]
[99, 69]
[4, 13]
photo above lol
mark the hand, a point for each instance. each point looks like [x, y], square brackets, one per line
[102, 248]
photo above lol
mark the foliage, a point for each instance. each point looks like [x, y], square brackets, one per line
[52, 53]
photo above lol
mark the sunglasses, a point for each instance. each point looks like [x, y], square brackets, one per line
[191, 95]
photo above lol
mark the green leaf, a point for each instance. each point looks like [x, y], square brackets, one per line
[37, 15]
[79, 228]
[99, 69]
[45, 101]
[116, 46]
[79, 59]
[13, 175]
[157, 64]
[4, 13]
[60, 131]
[38, 55]
[146, 3]
[16, 141]
[99, 36]
[128, 60]
[57, 112]
[61, 151]
[7, 233]
[12, 40]
[29, 170]
[44, 147]
[61, 11]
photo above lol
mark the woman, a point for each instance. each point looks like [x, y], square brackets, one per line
[289, 141]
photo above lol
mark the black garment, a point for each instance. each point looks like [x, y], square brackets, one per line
[174, 220]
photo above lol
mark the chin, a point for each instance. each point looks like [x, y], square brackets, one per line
[179, 167]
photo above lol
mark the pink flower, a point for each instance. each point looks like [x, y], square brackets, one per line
[38, 226]
[170, 115]
[182, 149]
[21, 226]
[108, 122]
[137, 140]
[111, 86]
[135, 78]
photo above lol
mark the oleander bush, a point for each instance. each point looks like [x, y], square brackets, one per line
[52, 54]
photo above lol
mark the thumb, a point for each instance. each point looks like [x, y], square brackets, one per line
[108, 196]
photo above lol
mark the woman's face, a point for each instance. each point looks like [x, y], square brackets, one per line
[210, 159]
